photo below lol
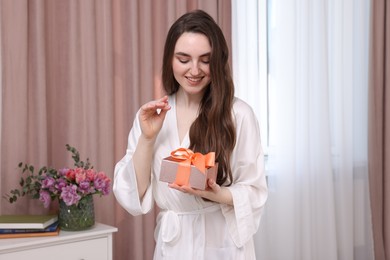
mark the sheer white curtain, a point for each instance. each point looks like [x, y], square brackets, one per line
[318, 205]
[250, 72]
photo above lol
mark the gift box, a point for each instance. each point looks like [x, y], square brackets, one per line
[185, 167]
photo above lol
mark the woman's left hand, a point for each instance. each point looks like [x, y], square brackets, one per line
[213, 192]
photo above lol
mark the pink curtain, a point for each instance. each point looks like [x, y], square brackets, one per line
[76, 72]
[379, 127]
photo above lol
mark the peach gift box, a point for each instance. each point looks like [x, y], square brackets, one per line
[196, 179]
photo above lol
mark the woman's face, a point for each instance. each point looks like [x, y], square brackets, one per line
[191, 62]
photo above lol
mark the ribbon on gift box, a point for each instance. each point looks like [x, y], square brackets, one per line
[185, 158]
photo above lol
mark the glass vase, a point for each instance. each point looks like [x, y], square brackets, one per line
[77, 217]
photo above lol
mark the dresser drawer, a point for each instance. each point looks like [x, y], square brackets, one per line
[93, 244]
[95, 249]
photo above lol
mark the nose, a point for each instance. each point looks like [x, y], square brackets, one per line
[195, 69]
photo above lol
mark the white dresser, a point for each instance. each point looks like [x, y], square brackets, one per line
[91, 244]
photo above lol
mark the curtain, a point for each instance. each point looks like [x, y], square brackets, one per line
[318, 206]
[76, 72]
[250, 58]
[379, 128]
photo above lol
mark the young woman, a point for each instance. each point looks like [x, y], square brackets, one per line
[201, 113]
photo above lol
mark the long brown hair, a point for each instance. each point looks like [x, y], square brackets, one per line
[213, 130]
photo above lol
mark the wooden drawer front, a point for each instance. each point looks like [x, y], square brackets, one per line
[94, 249]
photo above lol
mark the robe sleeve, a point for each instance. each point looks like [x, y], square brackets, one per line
[125, 183]
[249, 188]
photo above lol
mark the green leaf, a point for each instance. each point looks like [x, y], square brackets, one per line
[42, 170]
[21, 182]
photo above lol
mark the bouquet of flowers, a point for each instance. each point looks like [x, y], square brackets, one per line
[69, 185]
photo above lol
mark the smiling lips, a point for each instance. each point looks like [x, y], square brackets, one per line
[194, 80]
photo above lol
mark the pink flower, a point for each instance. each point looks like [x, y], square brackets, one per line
[80, 175]
[91, 174]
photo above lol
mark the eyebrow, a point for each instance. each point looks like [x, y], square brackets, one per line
[187, 55]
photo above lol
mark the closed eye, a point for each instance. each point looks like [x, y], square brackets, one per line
[185, 58]
[183, 61]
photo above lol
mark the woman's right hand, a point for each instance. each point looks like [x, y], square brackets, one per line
[152, 115]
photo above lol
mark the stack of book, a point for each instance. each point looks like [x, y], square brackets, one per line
[13, 226]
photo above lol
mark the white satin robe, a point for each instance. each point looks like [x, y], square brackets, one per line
[189, 227]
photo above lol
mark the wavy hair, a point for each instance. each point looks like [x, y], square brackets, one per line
[213, 129]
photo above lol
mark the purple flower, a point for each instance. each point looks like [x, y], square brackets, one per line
[61, 183]
[48, 182]
[44, 196]
[99, 184]
[69, 195]
[102, 185]
[85, 187]
[63, 171]
[106, 190]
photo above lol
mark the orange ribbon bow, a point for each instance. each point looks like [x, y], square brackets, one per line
[186, 158]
